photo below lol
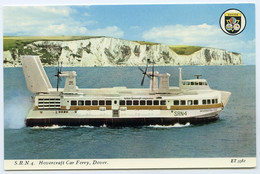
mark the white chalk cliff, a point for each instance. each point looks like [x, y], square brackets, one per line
[104, 51]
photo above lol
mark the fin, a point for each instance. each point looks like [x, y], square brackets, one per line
[36, 79]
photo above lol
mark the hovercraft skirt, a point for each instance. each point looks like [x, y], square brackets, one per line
[117, 122]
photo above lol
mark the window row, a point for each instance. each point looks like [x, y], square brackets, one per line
[184, 102]
[142, 102]
[209, 101]
[91, 102]
[47, 99]
[195, 83]
[194, 102]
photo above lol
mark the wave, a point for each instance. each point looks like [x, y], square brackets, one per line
[104, 125]
[86, 126]
[48, 127]
[170, 126]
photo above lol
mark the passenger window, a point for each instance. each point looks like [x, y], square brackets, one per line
[206, 83]
[183, 102]
[188, 83]
[73, 103]
[208, 101]
[81, 102]
[189, 102]
[192, 83]
[183, 83]
[88, 102]
[149, 102]
[196, 102]
[129, 102]
[136, 102]
[196, 83]
[200, 83]
[216, 100]
[176, 102]
[163, 102]
[108, 102]
[156, 102]
[142, 102]
[122, 102]
[94, 102]
[213, 101]
[204, 102]
[101, 102]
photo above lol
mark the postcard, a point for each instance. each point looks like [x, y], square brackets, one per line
[129, 86]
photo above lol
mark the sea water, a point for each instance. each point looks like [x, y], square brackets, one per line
[233, 135]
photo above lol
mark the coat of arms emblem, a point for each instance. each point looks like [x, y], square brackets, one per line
[232, 22]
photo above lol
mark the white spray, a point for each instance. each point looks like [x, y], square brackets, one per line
[15, 111]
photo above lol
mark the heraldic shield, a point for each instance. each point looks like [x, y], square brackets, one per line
[232, 22]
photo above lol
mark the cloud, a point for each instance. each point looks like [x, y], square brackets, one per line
[112, 31]
[50, 21]
[201, 35]
[135, 27]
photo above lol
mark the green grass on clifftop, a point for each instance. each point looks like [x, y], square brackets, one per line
[184, 49]
[20, 41]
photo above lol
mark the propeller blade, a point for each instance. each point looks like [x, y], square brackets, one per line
[143, 80]
[141, 69]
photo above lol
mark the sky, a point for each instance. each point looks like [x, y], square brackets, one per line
[172, 24]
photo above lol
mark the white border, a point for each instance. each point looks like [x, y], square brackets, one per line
[114, 2]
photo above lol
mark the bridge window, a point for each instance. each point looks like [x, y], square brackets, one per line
[176, 102]
[206, 83]
[122, 102]
[163, 102]
[183, 83]
[129, 102]
[88, 102]
[216, 100]
[73, 102]
[183, 102]
[101, 102]
[108, 102]
[142, 102]
[200, 83]
[149, 102]
[213, 101]
[189, 102]
[136, 102]
[208, 101]
[81, 102]
[156, 102]
[196, 102]
[94, 102]
[204, 102]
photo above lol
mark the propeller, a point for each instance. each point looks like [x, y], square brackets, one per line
[145, 72]
[58, 74]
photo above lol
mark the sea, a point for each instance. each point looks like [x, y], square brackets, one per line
[233, 135]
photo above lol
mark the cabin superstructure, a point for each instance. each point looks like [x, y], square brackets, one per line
[193, 101]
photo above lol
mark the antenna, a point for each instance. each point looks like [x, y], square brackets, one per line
[58, 74]
[152, 74]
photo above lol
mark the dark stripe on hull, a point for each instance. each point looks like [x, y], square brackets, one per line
[117, 122]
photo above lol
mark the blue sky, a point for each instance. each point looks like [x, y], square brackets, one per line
[169, 24]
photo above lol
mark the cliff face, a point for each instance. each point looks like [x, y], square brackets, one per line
[112, 52]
